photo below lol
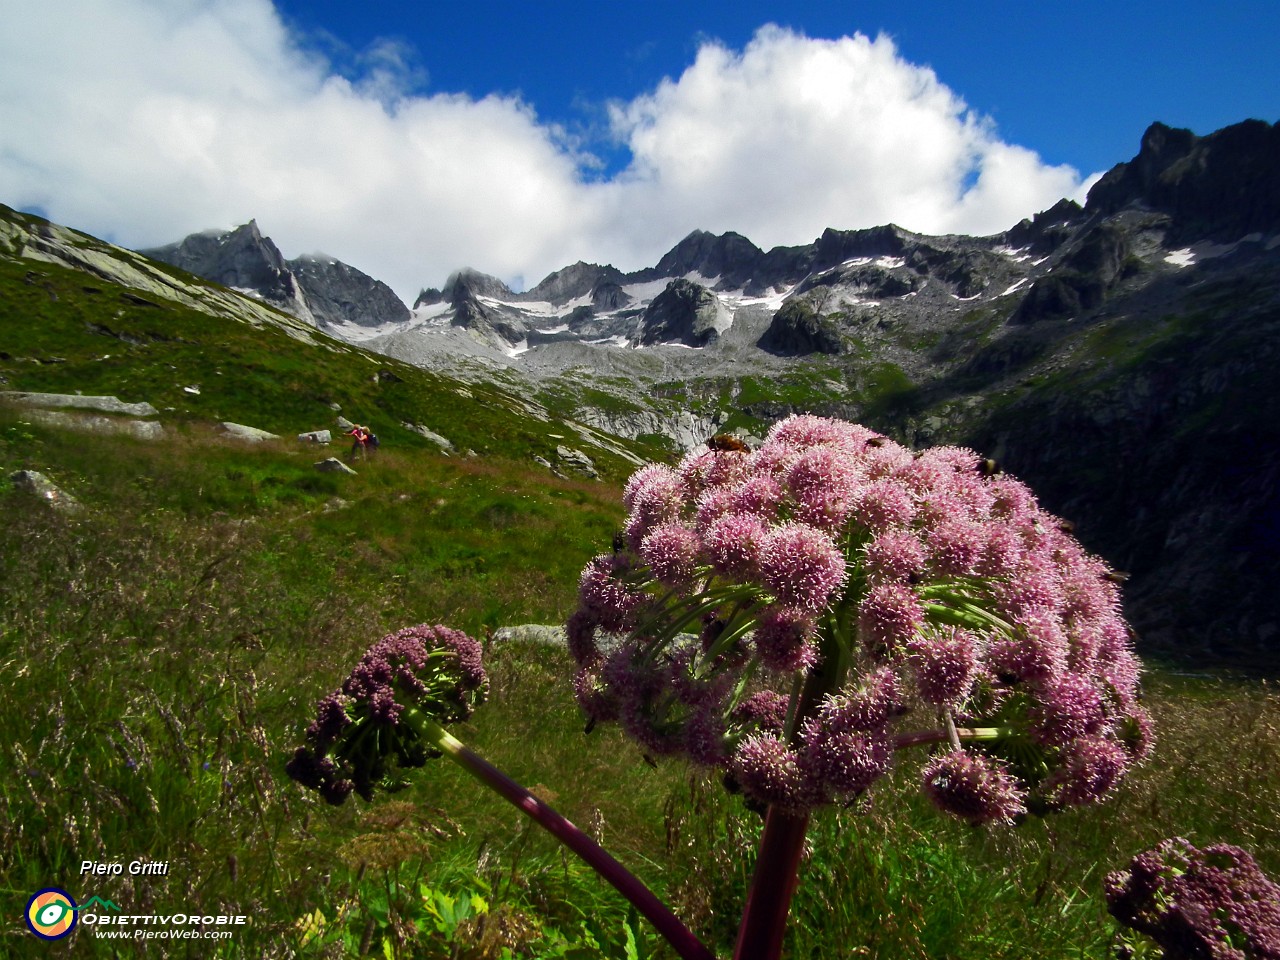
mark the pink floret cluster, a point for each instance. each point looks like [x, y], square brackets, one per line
[944, 598]
[1213, 903]
[359, 731]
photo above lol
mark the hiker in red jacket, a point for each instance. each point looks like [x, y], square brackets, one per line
[360, 443]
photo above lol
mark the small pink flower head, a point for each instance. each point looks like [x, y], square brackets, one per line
[1003, 551]
[882, 504]
[844, 762]
[959, 460]
[801, 566]
[759, 495]
[1068, 707]
[784, 639]
[823, 481]
[765, 711]
[974, 787]
[653, 474]
[885, 458]
[1034, 586]
[658, 501]
[956, 547]
[945, 663]
[702, 470]
[805, 430]
[704, 736]
[1086, 592]
[772, 459]
[611, 602]
[580, 632]
[868, 708]
[895, 555]
[769, 772]
[732, 544]
[890, 617]
[714, 503]
[1092, 767]
[671, 551]
[1136, 733]
[1012, 499]
[594, 698]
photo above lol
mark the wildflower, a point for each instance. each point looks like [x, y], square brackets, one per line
[887, 600]
[801, 565]
[973, 787]
[945, 664]
[415, 674]
[769, 772]
[784, 639]
[671, 551]
[891, 616]
[1213, 903]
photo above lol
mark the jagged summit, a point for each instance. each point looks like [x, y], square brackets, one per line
[1226, 184]
[314, 287]
[1142, 219]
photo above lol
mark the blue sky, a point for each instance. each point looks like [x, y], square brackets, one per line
[410, 139]
[1077, 82]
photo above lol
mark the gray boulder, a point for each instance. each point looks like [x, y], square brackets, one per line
[334, 465]
[36, 484]
[140, 429]
[547, 634]
[316, 436]
[576, 460]
[74, 400]
[431, 435]
[251, 434]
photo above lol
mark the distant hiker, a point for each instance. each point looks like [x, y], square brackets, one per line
[360, 441]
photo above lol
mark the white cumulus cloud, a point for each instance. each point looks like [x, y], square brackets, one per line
[145, 120]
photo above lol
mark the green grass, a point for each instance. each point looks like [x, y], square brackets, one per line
[160, 653]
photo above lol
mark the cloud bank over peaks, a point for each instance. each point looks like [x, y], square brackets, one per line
[146, 120]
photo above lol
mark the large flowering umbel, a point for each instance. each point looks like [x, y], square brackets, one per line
[372, 724]
[1213, 903]
[897, 598]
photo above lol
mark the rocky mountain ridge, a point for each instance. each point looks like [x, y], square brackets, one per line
[319, 289]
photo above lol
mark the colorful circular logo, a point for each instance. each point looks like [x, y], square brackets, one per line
[51, 914]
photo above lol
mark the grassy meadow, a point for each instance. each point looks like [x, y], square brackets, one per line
[161, 651]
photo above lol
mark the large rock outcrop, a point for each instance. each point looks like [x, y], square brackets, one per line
[685, 312]
[316, 288]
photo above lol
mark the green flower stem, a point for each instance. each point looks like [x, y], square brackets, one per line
[686, 945]
[919, 737]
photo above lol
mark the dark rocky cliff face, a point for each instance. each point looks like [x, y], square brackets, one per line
[320, 289]
[336, 292]
[685, 313]
[242, 258]
[1223, 185]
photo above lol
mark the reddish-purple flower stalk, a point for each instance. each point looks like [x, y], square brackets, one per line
[878, 587]
[389, 713]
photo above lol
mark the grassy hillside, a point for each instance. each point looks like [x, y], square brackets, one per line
[160, 652]
[162, 648]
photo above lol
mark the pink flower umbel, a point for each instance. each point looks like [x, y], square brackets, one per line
[890, 599]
